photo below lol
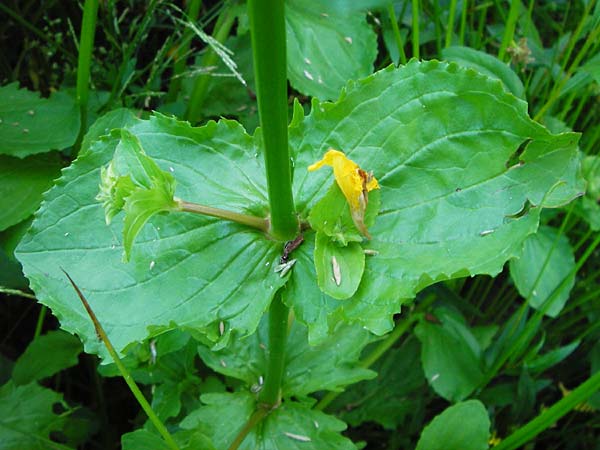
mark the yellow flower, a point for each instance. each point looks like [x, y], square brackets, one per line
[354, 182]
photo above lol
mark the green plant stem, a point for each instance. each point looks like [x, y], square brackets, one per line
[415, 28]
[123, 370]
[397, 35]
[509, 31]
[450, 25]
[244, 219]
[193, 10]
[210, 59]
[551, 415]
[17, 293]
[40, 322]
[84, 62]
[254, 420]
[267, 25]
[270, 395]
[400, 329]
[463, 22]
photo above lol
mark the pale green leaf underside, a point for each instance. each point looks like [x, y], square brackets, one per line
[326, 47]
[30, 124]
[291, 426]
[186, 270]
[441, 141]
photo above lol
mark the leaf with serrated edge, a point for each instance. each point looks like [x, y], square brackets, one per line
[441, 141]
[187, 270]
[290, 426]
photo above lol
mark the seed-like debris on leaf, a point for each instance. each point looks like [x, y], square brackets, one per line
[297, 437]
[337, 273]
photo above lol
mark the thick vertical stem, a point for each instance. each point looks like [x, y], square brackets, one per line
[415, 28]
[267, 27]
[278, 328]
[86, 44]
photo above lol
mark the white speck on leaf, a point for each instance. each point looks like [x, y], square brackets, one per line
[435, 377]
[308, 75]
[307, 61]
[31, 112]
[337, 273]
[316, 424]
[221, 328]
[171, 169]
[370, 252]
[223, 363]
[324, 15]
[486, 232]
[25, 130]
[152, 264]
[66, 234]
[153, 351]
[320, 80]
[297, 437]
[348, 39]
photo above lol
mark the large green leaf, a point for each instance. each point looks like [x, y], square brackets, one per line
[46, 355]
[22, 183]
[546, 261]
[186, 270]
[27, 417]
[326, 47]
[329, 366]
[30, 124]
[465, 426]
[463, 173]
[290, 426]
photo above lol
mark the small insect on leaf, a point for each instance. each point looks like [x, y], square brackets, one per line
[337, 273]
[297, 437]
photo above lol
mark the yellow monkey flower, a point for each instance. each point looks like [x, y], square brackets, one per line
[354, 183]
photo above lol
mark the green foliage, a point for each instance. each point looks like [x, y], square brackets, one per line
[23, 183]
[290, 426]
[45, 356]
[467, 179]
[464, 426]
[30, 124]
[451, 355]
[27, 417]
[331, 365]
[326, 47]
[544, 272]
